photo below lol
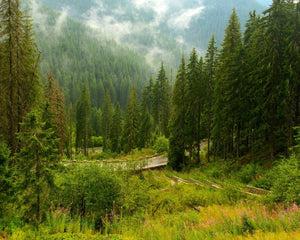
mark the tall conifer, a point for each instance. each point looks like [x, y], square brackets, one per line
[131, 123]
[19, 78]
[177, 158]
[106, 120]
[116, 129]
[83, 113]
[161, 102]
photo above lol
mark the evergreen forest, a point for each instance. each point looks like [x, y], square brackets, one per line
[95, 144]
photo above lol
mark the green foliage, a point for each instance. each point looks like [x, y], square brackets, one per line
[161, 102]
[116, 129]
[19, 80]
[96, 141]
[5, 176]
[90, 188]
[131, 123]
[161, 144]
[106, 120]
[177, 158]
[145, 127]
[285, 179]
[249, 172]
[83, 114]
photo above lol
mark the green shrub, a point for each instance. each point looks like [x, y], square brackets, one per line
[96, 141]
[285, 178]
[248, 172]
[161, 144]
[90, 188]
[5, 176]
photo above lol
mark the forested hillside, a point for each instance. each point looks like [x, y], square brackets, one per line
[78, 54]
[158, 29]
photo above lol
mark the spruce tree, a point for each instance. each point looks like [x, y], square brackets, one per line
[210, 66]
[19, 77]
[96, 116]
[195, 101]
[36, 161]
[177, 158]
[6, 179]
[56, 100]
[116, 129]
[161, 102]
[83, 113]
[276, 88]
[144, 133]
[106, 120]
[227, 94]
[131, 123]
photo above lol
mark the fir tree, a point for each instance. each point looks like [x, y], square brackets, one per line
[131, 123]
[96, 116]
[210, 66]
[106, 120]
[144, 133]
[57, 105]
[19, 77]
[37, 160]
[161, 102]
[228, 91]
[116, 129]
[276, 88]
[83, 113]
[177, 158]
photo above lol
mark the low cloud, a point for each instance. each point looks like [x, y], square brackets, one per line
[41, 19]
[61, 20]
[155, 55]
[183, 19]
[160, 8]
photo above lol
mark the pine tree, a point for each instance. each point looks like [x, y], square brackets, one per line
[161, 102]
[116, 129]
[83, 113]
[57, 105]
[131, 123]
[106, 120]
[19, 77]
[177, 158]
[37, 160]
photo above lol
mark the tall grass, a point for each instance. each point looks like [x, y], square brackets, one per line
[219, 222]
[60, 220]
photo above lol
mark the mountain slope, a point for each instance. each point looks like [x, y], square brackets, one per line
[78, 54]
[158, 28]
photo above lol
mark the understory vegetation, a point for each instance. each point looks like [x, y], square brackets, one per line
[209, 202]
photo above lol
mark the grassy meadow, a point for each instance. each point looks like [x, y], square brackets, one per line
[207, 202]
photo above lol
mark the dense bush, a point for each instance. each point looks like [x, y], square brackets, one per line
[5, 177]
[90, 188]
[161, 144]
[248, 172]
[285, 179]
